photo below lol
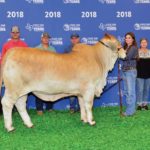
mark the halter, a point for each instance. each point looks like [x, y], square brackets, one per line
[119, 79]
[108, 45]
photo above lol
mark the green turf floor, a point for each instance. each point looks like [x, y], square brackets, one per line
[60, 130]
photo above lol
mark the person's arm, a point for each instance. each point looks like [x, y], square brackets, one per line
[53, 48]
[24, 44]
[132, 53]
[4, 49]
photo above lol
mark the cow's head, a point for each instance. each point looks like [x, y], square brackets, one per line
[114, 44]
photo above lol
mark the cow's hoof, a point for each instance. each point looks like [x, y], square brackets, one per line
[30, 125]
[92, 123]
[84, 121]
[11, 129]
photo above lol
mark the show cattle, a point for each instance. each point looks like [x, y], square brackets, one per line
[51, 76]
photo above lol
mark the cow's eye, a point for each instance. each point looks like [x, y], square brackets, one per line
[119, 48]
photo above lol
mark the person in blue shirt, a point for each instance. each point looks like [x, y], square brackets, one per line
[74, 39]
[130, 73]
[45, 38]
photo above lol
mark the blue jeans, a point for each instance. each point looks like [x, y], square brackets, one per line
[73, 103]
[129, 80]
[40, 104]
[143, 87]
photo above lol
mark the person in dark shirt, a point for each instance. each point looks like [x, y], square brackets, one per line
[130, 73]
[74, 39]
[143, 75]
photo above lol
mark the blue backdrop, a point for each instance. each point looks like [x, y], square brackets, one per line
[90, 18]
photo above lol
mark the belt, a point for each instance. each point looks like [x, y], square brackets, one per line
[129, 68]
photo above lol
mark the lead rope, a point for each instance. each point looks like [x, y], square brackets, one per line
[119, 86]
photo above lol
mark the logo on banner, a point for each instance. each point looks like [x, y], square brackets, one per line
[109, 104]
[2, 27]
[56, 41]
[107, 1]
[141, 1]
[2, 1]
[112, 80]
[89, 40]
[71, 1]
[71, 27]
[142, 26]
[108, 27]
[35, 1]
[35, 27]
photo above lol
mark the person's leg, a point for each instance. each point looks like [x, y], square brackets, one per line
[0, 106]
[131, 92]
[77, 105]
[72, 104]
[49, 106]
[39, 106]
[139, 92]
[146, 93]
[124, 84]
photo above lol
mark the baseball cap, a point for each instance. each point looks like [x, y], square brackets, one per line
[15, 29]
[74, 35]
[45, 34]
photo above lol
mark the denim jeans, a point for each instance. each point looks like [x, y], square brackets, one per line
[143, 87]
[40, 104]
[73, 103]
[129, 80]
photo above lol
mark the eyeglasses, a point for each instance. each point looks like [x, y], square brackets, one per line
[15, 32]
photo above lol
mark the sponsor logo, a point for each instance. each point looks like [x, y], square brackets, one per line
[142, 1]
[112, 80]
[35, 27]
[2, 27]
[89, 40]
[107, 1]
[2, 1]
[108, 27]
[142, 26]
[35, 1]
[71, 27]
[109, 104]
[56, 41]
[71, 1]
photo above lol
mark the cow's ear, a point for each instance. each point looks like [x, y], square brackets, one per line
[107, 36]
